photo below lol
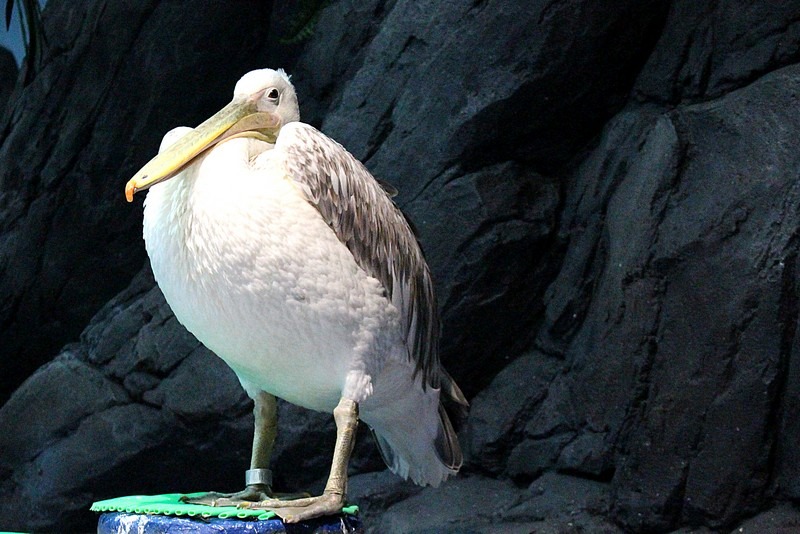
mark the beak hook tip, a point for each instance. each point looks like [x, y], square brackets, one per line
[130, 190]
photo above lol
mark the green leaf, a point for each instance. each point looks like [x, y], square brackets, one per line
[9, 10]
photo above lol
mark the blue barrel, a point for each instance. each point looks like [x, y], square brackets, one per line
[169, 514]
[133, 523]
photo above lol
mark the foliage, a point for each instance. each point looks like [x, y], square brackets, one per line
[33, 36]
[302, 25]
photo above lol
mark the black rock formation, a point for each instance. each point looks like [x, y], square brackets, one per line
[8, 76]
[607, 194]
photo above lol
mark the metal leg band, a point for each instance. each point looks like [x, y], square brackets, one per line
[258, 476]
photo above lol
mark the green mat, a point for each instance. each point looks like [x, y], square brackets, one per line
[170, 504]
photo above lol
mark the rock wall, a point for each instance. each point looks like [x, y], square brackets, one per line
[607, 196]
[8, 75]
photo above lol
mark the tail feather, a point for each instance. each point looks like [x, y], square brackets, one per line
[447, 447]
[451, 390]
[387, 454]
[454, 401]
[411, 452]
[416, 438]
[411, 427]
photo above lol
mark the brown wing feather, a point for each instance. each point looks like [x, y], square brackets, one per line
[366, 220]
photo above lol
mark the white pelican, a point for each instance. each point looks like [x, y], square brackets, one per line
[284, 256]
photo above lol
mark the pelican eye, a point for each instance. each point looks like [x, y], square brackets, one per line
[273, 94]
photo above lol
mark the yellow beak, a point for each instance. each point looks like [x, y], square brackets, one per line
[240, 118]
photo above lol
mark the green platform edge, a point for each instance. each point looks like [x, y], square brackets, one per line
[170, 504]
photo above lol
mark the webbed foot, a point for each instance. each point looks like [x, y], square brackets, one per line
[253, 493]
[294, 511]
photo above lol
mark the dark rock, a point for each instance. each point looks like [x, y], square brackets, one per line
[514, 393]
[715, 365]
[782, 519]
[55, 399]
[8, 76]
[588, 454]
[486, 255]
[590, 62]
[671, 304]
[788, 451]
[553, 416]
[558, 503]
[465, 504]
[340, 43]
[531, 457]
[710, 48]
[671, 323]
[552, 504]
[195, 390]
[375, 492]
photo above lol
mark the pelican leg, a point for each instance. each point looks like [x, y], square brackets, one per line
[333, 497]
[265, 411]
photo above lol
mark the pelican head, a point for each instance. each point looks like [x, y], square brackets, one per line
[263, 101]
[272, 92]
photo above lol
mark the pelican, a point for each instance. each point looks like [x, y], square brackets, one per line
[281, 253]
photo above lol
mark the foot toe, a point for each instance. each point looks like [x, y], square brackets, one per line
[208, 499]
[301, 509]
[322, 506]
[251, 493]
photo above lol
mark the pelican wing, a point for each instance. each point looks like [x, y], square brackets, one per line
[364, 217]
